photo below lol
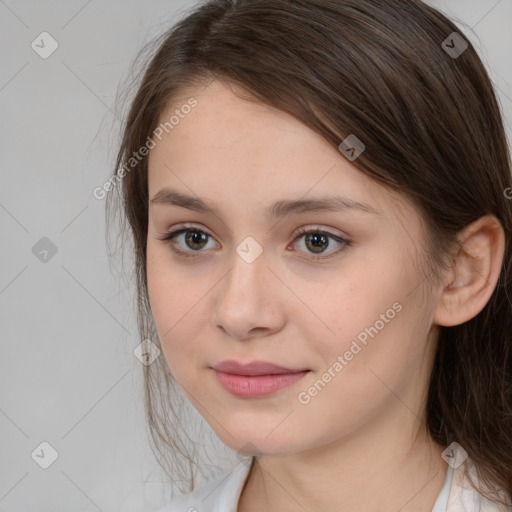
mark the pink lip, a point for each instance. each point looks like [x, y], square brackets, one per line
[256, 379]
[254, 368]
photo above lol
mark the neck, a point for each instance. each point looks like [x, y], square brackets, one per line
[369, 471]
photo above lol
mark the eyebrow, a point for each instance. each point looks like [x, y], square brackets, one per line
[279, 209]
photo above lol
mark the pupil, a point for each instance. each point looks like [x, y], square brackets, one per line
[315, 237]
[195, 237]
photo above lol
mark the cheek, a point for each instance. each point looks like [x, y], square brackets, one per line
[369, 319]
[352, 305]
[386, 351]
[173, 307]
[161, 286]
[172, 292]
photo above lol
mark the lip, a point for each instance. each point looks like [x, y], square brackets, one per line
[255, 368]
[256, 379]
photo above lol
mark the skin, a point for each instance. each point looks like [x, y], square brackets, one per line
[360, 443]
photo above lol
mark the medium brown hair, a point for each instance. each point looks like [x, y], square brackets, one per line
[433, 132]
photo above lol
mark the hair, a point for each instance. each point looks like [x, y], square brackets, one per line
[433, 132]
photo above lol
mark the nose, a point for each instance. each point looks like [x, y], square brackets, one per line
[249, 301]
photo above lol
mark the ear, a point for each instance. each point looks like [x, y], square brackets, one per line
[474, 272]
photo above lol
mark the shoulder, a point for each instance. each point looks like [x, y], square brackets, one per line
[464, 497]
[219, 495]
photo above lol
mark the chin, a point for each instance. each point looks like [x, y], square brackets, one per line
[256, 444]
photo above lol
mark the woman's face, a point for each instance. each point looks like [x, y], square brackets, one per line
[354, 315]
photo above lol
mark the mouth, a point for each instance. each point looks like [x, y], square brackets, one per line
[257, 379]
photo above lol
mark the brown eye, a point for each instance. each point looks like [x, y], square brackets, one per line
[317, 242]
[194, 240]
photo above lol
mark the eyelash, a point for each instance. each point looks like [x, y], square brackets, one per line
[301, 232]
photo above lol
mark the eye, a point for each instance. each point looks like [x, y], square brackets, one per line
[317, 241]
[194, 239]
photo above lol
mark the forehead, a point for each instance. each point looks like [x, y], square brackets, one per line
[237, 151]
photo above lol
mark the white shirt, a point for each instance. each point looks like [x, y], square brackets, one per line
[223, 493]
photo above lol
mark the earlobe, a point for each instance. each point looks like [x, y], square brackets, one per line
[474, 272]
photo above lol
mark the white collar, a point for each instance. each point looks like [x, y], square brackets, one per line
[223, 493]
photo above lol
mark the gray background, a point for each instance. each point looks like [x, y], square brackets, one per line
[68, 375]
